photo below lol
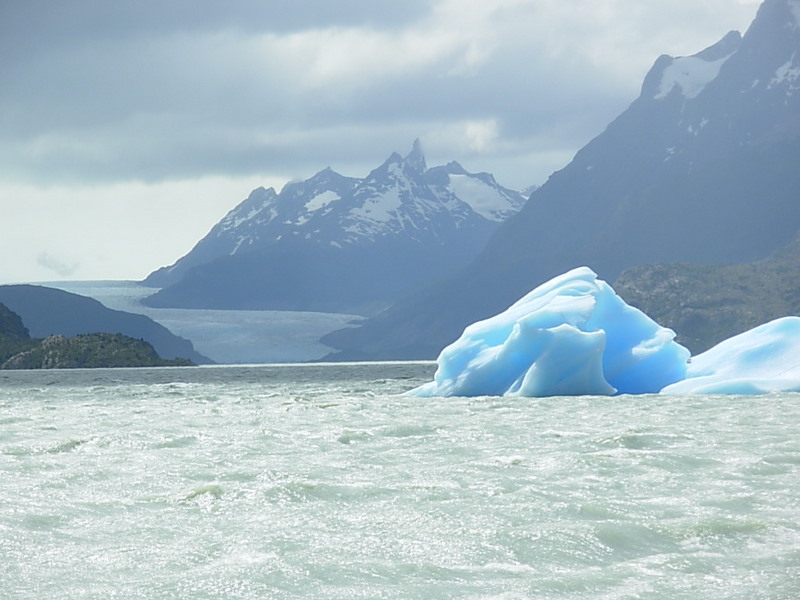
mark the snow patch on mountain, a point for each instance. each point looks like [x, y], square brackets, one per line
[243, 239]
[786, 73]
[691, 74]
[321, 200]
[488, 202]
[259, 200]
[379, 209]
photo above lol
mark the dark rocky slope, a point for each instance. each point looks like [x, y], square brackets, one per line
[705, 304]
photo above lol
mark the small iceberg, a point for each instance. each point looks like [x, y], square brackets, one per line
[574, 336]
[763, 360]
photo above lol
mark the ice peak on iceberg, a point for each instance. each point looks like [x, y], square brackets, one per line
[763, 360]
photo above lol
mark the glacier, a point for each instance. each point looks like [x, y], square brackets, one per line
[570, 336]
[573, 335]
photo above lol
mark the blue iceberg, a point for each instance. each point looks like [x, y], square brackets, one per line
[760, 361]
[574, 336]
[570, 336]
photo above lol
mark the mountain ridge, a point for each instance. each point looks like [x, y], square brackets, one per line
[700, 168]
[340, 244]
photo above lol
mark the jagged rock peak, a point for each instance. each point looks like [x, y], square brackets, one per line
[262, 191]
[729, 44]
[327, 174]
[455, 168]
[416, 159]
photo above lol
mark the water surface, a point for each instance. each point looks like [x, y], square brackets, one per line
[324, 481]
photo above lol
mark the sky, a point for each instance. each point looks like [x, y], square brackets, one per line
[129, 128]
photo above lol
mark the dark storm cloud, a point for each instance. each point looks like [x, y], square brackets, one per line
[33, 25]
[152, 90]
[133, 126]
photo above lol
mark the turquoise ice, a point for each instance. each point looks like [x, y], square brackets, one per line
[763, 360]
[570, 336]
[574, 336]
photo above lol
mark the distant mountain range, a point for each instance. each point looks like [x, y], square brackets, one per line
[703, 167]
[48, 312]
[341, 244]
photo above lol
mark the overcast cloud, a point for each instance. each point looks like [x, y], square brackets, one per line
[127, 129]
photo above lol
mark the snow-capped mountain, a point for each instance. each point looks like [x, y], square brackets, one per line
[703, 167]
[402, 225]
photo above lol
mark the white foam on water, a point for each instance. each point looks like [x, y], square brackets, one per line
[325, 481]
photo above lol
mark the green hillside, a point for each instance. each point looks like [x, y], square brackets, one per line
[705, 304]
[19, 351]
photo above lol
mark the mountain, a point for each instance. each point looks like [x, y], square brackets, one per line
[703, 167]
[48, 311]
[706, 304]
[11, 325]
[340, 244]
[14, 336]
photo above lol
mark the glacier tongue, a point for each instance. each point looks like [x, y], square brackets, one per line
[487, 201]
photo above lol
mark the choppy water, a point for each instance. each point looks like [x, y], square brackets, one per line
[322, 482]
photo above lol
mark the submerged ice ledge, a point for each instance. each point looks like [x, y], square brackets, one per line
[575, 336]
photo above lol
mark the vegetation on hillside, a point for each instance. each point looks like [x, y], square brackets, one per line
[705, 304]
[19, 351]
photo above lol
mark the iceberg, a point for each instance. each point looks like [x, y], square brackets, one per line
[759, 361]
[570, 336]
[574, 336]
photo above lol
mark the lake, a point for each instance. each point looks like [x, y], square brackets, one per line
[326, 481]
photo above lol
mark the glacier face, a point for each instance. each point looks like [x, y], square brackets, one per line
[570, 336]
